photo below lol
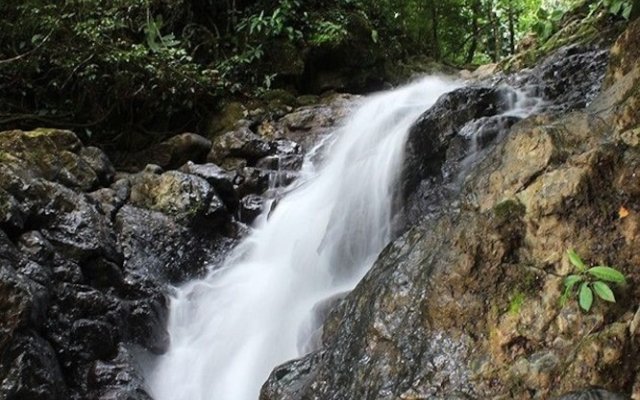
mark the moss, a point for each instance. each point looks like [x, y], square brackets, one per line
[508, 210]
[515, 305]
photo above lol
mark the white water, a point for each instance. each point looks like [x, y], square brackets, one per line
[231, 329]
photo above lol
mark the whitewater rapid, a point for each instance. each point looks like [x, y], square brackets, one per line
[229, 330]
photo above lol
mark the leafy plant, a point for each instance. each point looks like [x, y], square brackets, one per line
[615, 7]
[589, 280]
[330, 32]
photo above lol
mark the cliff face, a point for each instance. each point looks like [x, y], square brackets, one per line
[466, 303]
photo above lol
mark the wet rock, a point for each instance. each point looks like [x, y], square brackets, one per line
[70, 222]
[624, 55]
[252, 181]
[147, 322]
[307, 124]
[23, 301]
[29, 370]
[180, 253]
[251, 207]
[110, 201]
[48, 154]
[99, 163]
[591, 394]
[188, 198]
[221, 180]
[11, 215]
[117, 379]
[432, 133]
[240, 143]
[288, 157]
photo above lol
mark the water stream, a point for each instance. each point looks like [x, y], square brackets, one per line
[229, 330]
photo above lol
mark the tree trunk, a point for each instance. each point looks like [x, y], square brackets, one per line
[495, 28]
[475, 7]
[512, 28]
[434, 31]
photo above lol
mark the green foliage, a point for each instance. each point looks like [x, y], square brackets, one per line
[595, 279]
[99, 62]
[331, 32]
[622, 8]
[155, 67]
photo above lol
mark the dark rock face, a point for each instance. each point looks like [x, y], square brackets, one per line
[464, 304]
[83, 275]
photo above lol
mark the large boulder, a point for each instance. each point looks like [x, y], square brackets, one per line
[51, 154]
[187, 198]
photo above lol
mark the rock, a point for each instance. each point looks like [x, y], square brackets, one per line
[252, 181]
[251, 207]
[591, 394]
[188, 198]
[29, 154]
[227, 119]
[180, 253]
[11, 216]
[306, 124]
[110, 201]
[146, 323]
[288, 157]
[32, 371]
[624, 55]
[117, 379]
[240, 143]
[71, 222]
[170, 154]
[100, 163]
[432, 133]
[221, 180]
[23, 301]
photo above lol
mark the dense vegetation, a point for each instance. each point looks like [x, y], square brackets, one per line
[111, 68]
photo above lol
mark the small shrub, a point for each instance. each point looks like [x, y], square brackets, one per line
[589, 281]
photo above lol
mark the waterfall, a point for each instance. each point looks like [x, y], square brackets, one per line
[230, 329]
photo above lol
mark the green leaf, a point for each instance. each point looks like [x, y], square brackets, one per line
[576, 260]
[615, 7]
[607, 274]
[569, 282]
[585, 297]
[626, 13]
[603, 291]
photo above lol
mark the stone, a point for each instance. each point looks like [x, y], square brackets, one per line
[188, 198]
[99, 163]
[34, 372]
[221, 180]
[251, 207]
[117, 379]
[180, 253]
[240, 143]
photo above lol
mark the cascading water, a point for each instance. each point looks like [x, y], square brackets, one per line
[229, 330]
